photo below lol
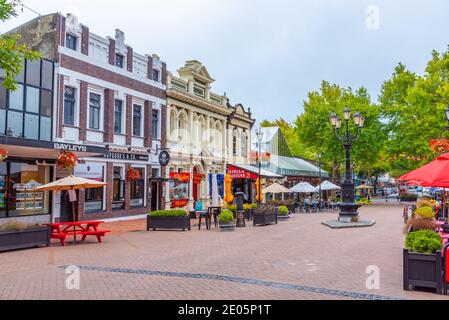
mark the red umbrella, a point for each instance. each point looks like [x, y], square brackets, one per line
[434, 174]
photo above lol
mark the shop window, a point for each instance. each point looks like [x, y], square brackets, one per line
[33, 73]
[118, 116]
[69, 106]
[46, 98]
[3, 190]
[15, 124]
[16, 98]
[137, 121]
[32, 100]
[94, 111]
[31, 126]
[47, 74]
[94, 200]
[118, 189]
[138, 190]
[18, 181]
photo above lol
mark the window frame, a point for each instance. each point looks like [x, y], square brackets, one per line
[155, 129]
[140, 135]
[89, 116]
[122, 59]
[74, 106]
[121, 122]
[75, 38]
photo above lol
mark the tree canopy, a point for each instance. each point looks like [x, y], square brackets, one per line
[12, 54]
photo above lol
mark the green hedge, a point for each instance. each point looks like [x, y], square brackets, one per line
[283, 211]
[168, 213]
[423, 241]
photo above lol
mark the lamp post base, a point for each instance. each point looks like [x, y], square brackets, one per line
[349, 213]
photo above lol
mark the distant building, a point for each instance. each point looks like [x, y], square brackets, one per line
[282, 162]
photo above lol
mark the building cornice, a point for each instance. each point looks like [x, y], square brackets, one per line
[196, 101]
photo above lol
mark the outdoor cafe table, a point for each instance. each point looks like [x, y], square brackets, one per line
[62, 230]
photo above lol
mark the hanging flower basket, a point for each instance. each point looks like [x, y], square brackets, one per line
[3, 155]
[439, 146]
[67, 160]
[133, 174]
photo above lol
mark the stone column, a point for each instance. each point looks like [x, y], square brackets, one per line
[191, 206]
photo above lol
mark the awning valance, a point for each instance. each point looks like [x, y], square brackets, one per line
[243, 171]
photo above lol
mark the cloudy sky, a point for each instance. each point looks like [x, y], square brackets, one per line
[268, 54]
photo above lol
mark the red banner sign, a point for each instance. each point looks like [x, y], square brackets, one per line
[179, 203]
[180, 176]
[237, 173]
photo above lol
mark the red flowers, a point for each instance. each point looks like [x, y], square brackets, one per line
[133, 174]
[439, 145]
[3, 155]
[67, 160]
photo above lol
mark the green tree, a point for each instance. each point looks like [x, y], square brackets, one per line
[316, 132]
[12, 54]
[413, 110]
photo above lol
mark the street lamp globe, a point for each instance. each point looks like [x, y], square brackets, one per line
[338, 123]
[358, 119]
[333, 119]
[259, 134]
[347, 113]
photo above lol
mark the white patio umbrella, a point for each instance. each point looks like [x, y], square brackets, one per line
[303, 187]
[327, 186]
[215, 195]
[276, 188]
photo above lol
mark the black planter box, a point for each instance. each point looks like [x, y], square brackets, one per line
[423, 270]
[408, 199]
[263, 219]
[25, 239]
[248, 214]
[168, 223]
[283, 218]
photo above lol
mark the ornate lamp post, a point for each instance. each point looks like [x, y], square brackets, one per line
[348, 207]
[259, 134]
[447, 113]
[320, 156]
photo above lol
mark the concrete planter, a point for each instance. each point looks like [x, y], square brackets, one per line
[263, 219]
[423, 270]
[284, 218]
[168, 223]
[24, 239]
[228, 226]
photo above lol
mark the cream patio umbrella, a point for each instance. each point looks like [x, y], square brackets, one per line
[303, 187]
[276, 188]
[71, 183]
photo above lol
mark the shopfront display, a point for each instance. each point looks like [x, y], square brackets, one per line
[94, 201]
[17, 183]
[179, 189]
[138, 188]
[118, 189]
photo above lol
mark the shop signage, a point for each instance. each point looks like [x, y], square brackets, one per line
[89, 171]
[180, 176]
[164, 158]
[237, 173]
[69, 147]
[126, 156]
[179, 203]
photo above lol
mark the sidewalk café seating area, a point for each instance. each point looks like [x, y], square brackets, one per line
[61, 231]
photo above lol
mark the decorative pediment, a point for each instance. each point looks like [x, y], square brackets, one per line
[120, 40]
[72, 24]
[193, 69]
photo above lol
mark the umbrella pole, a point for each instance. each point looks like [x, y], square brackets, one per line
[74, 218]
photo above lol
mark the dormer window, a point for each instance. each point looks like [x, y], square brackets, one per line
[199, 91]
[71, 41]
[119, 60]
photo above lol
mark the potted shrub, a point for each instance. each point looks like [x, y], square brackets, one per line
[290, 204]
[422, 260]
[168, 220]
[249, 208]
[15, 235]
[265, 215]
[226, 220]
[283, 213]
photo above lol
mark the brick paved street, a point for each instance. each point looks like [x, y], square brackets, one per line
[293, 260]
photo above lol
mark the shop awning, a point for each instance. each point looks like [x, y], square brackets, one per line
[244, 171]
[295, 167]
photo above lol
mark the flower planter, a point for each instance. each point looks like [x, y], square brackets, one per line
[168, 223]
[263, 219]
[283, 218]
[248, 214]
[423, 270]
[25, 239]
[228, 226]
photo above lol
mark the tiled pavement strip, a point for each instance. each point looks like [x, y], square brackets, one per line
[297, 259]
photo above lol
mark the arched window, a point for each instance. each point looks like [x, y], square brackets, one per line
[182, 132]
[173, 125]
[244, 144]
[201, 130]
[219, 138]
[234, 143]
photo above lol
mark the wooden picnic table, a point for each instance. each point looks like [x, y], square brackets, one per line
[61, 230]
